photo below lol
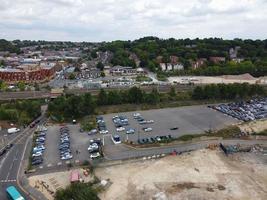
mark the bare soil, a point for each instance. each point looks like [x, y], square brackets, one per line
[204, 174]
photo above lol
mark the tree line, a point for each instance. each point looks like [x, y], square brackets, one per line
[227, 91]
[257, 69]
[74, 106]
[22, 112]
[147, 49]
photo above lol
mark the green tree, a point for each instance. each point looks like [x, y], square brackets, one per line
[21, 86]
[172, 92]
[77, 191]
[102, 98]
[102, 74]
[135, 95]
[100, 66]
[72, 76]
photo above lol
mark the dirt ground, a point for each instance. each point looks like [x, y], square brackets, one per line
[204, 174]
[227, 79]
[54, 181]
[254, 126]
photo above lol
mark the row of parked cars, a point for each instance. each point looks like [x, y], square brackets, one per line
[94, 148]
[101, 125]
[64, 146]
[155, 139]
[39, 148]
[245, 110]
[138, 117]
[120, 123]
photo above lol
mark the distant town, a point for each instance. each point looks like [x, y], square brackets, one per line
[145, 119]
[36, 65]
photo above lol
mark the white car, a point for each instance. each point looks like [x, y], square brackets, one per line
[104, 132]
[66, 157]
[150, 121]
[92, 147]
[119, 129]
[36, 154]
[39, 148]
[94, 155]
[148, 129]
[130, 131]
[136, 114]
[116, 139]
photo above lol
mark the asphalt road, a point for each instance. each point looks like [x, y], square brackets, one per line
[11, 161]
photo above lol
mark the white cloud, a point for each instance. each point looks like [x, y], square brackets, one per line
[100, 20]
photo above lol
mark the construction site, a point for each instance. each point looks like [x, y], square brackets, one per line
[216, 172]
[203, 174]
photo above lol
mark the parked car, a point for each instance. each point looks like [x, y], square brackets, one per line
[92, 132]
[174, 128]
[147, 129]
[116, 139]
[37, 162]
[105, 131]
[130, 131]
[66, 157]
[95, 155]
[120, 129]
[93, 147]
[38, 153]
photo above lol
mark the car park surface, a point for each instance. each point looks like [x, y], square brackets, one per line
[170, 121]
[245, 110]
[77, 146]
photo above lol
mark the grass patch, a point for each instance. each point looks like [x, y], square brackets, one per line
[228, 132]
[30, 167]
[262, 133]
[143, 79]
[101, 110]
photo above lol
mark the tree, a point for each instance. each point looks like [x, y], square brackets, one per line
[102, 98]
[135, 95]
[72, 76]
[102, 74]
[21, 86]
[153, 97]
[77, 191]
[172, 92]
[93, 54]
[100, 66]
[198, 93]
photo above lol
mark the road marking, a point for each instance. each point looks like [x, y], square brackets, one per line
[59, 163]
[41, 167]
[68, 162]
[49, 165]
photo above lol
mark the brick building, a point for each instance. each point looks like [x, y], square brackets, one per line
[29, 72]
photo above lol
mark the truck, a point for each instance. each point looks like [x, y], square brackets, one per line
[13, 130]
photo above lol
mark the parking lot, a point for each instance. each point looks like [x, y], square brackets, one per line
[78, 146]
[171, 121]
[245, 110]
[186, 120]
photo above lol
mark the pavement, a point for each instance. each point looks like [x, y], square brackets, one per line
[188, 119]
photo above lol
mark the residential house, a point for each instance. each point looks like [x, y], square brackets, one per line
[216, 59]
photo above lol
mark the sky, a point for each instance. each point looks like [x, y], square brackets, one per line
[107, 20]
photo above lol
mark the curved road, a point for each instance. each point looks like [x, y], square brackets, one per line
[10, 163]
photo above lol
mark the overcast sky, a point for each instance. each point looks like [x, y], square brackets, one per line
[106, 20]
